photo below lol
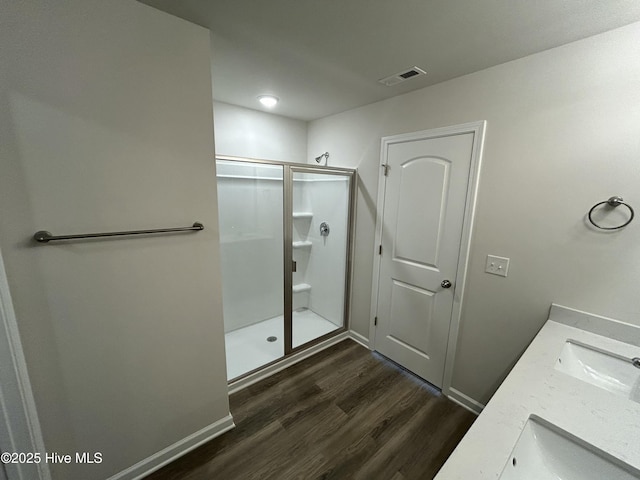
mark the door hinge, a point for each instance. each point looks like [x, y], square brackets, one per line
[386, 169]
[380, 250]
[375, 321]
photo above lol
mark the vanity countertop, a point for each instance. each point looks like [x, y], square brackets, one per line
[534, 387]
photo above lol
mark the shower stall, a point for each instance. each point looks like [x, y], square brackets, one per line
[285, 242]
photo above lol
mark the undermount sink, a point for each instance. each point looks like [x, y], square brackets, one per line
[545, 452]
[607, 370]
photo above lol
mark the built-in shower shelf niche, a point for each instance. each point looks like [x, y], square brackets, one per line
[302, 215]
[301, 287]
[302, 244]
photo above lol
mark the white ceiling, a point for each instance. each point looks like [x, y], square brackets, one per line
[326, 56]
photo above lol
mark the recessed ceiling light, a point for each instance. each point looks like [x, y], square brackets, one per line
[268, 101]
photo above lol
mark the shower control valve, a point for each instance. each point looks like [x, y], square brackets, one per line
[324, 229]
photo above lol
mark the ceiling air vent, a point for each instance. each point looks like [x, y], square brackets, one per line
[402, 76]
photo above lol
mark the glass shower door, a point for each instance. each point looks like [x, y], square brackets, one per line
[320, 243]
[250, 202]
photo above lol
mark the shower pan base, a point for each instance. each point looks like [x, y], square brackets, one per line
[248, 348]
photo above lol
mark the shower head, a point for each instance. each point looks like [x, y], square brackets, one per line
[325, 155]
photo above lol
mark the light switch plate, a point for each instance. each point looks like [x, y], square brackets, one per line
[497, 265]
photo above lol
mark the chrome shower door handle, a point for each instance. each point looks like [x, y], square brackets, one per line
[445, 284]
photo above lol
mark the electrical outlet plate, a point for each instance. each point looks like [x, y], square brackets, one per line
[497, 265]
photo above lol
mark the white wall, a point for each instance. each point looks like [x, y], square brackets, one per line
[562, 134]
[106, 121]
[242, 132]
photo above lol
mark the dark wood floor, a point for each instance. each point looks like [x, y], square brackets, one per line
[345, 413]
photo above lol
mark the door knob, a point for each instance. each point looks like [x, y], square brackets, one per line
[445, 284]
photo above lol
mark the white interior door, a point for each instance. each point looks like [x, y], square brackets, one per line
[425, 194]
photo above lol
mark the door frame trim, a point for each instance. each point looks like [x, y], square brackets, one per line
[478, 128]
[19, 422]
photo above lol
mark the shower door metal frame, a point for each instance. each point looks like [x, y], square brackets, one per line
[287, 199]
[351, 174]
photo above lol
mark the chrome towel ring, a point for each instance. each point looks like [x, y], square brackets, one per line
[612, 202]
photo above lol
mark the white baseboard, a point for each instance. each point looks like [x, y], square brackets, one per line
[361, 339]
[178, 449]
[465, 401]
[286, 362]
